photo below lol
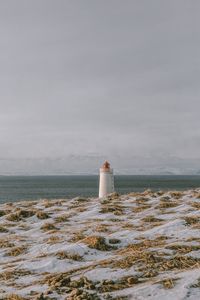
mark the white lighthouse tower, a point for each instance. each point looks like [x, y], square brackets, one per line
[106, 180]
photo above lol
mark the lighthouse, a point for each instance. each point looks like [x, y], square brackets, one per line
[106, 180]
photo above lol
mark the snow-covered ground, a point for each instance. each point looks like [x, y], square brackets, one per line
[137, 246]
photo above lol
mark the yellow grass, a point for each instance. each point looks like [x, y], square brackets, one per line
[97, 242]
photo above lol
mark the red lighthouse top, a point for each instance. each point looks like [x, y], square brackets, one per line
[106, 165]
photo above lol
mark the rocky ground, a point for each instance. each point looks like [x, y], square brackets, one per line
[137, 246]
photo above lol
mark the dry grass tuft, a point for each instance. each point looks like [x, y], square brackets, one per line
[57, 280]
[98, 242]
[195, 205]
[82, 282]
[176, 194]
[130, 226]
[141, 208]
[78, 236]
[3, 229]
[2, 213]
[192, 220]
[7, 275]
[15, 251]
[81, 209]
[128, 261]
[24, 226]
[42, 215]
[146, 261]
[115, 209]
[142, 200]
[77, 294]
[159, 193]
[167, 204]
[123, 283]
[54, 239]
[19, 215]
[163, 211]
[68, 255]
[102, 228]
[195, 194]
[179, 263]
[165, 198]
[183, 249]
[168, 283]
[80, 200]
[51, 203]
[114, 241]
[81, 288]
[29, 203]
[48, 227]
[196, 284]
[193, 239]
[14, 297]
[152, 219]
[145, 244]
[5, 243]
[62, 218]
[115, 220]
[112, 196]
[134, 194]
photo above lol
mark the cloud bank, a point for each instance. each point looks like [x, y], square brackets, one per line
[114, 79]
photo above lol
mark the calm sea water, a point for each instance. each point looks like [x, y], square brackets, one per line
[15, 188]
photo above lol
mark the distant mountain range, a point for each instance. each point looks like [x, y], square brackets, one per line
[89, 164]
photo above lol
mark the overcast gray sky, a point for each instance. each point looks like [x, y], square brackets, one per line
[99, 77]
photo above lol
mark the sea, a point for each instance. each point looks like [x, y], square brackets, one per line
[20, 188]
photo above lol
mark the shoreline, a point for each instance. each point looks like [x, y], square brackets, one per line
[14, 189]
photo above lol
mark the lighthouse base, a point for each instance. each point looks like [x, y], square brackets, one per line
[106, 183]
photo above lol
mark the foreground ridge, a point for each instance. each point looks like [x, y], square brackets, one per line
[136, 246]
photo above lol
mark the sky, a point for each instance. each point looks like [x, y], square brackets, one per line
[99, 79]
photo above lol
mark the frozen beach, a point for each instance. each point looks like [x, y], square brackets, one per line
[135, 246]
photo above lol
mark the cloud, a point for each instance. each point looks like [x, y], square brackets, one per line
[100, 77]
